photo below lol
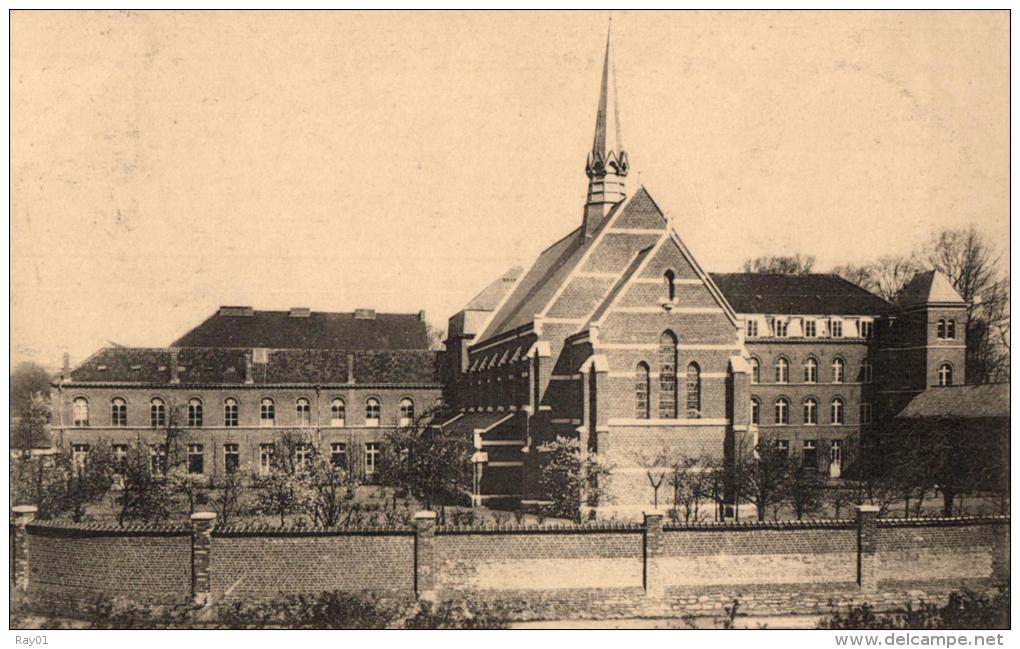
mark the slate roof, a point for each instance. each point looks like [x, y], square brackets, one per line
[620, 283]
[984, 401]
[931, 286]
[815, 294]
[319, 330]
[199, 365]
[488, 299]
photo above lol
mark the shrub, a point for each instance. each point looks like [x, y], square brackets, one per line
[963, 610]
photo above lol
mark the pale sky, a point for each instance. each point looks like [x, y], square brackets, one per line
[163, 164]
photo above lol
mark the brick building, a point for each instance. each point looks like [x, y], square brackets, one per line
[617, 335]
[240, 378]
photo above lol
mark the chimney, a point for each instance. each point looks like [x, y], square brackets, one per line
[174, 370]
[364, 314]
[350, 368]
[300, 312]
[66, 367]
[239, 311]
[421, 315]
[249, 375]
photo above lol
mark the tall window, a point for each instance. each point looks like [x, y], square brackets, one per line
[157, 458]
[940, 329]
[195, 413]
[337, 413]
[755, 411]
[80, 409]
[230, 413]
[196, 459]
[693, 391]
[266, 452]
[837, 413]
[267, 413]
[755, 370]
[406, 412]
[667, 376]
[781, 328]
[809, 455]
[837, 328]
[670, 279]
[231, 457]
[752, 328]
[372, 411]
[782, 411]
[157, 413]
[782, 370]
[304, 412]
[945, 375]
[810, 328]
[866, 370]
[119, 459]
[372, 452]
[950, 329]
[79, 455]
[836, 457]
[838, 370]
[810, 411]
[810, 371]
[867, 329]
[641, 390]
[118, 412]
[338, 454]
[302, 455]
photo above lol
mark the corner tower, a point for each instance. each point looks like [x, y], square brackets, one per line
[607, 162]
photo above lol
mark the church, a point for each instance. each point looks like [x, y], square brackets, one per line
[617, 336]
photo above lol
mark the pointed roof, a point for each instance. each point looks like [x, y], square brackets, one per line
[929, 287]
[607, 119]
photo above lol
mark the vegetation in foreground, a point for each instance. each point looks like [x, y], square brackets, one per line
[963, 610]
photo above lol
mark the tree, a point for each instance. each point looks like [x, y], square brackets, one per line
[573, 480]
[691, 481]
[27, 380]
[803, 490]
[283, 488]
[432, 463]
[885, 277]
[70, 482]
[780, 264]
[765, 474]
[31, 429]
[148, 469]
[657, 465]
[227, 490]
[332, 489]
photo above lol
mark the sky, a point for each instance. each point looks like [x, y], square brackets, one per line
[166, 163]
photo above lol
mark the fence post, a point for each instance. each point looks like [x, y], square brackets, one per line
[1000, 553]
[201, 548]
[653, 550]
[23, 515]
[867, 523]
[424, 555]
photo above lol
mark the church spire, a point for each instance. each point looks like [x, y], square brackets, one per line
[607, 162]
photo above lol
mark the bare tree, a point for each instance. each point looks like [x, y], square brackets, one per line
[781, 264]
[885, 277]
[657, 465]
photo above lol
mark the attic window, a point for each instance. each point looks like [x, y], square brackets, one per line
[101, 368]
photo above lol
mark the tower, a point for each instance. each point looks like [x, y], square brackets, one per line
[607, 162]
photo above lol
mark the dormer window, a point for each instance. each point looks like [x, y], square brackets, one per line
[752, 328]
[867, 329]
[837, 328]
[810, 330]
[781, 328]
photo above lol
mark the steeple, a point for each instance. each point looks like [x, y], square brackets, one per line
[607, 162]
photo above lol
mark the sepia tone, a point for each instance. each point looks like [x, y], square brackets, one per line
[337, 320]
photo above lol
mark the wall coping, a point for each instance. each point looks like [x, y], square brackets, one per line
[110, 529]
[934, 521]
[263, 529]
[737, 526]
[555, 528]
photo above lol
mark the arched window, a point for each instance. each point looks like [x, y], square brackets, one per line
[195, 413]
[230, 419]
[641, 389]
[951, 329]
[304, 412]
[782, 370]
[118, 412]
[866, 370]
[406, 412]
[372, 411]
[157, 413]
[755, 411]
[940, 329]
[782, 411]
[667, 376]
[755, 370]
[810, 411]
[945, 375]
[337, 413]
[693, 391]
[838, 370]
[670, 279]
[837, 412]
[811, 371]
[267, 413]
[80, 409]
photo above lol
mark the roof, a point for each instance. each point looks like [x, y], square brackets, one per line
[928, 287]
[490, 296]
[961, 401]
[466, 424]
[200, 365]
[819, 294]
[362, 330]
[620, 283]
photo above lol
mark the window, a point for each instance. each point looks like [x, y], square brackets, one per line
[195, 413]
[837, 328]
[811, 371]
[231, 457]
[694, 391]
[865, 413]
[810, 330]
[157, 458]
[945, 375]
[267, 413]
[79, 455]
[196, 459]
[406, 412]
[266, 452]
[755, 411]
[783, 446]
[867, 329]
[755, 370]
[951, 329]
[230, 413]
[809, 455]
[338, 454]
[810, 411]
[835, 458]
[752, 328]
[641, 389]
[157, 413]
[670, 279]
[837, 413]
[866, 370]
[782, 371]
[302, 455]
[782, 411]
[304, 412]
[838, 370]
[372, 412]
[80, 409]
[781, 328]
[372, 450]
[120, 452]
[337, 413]
[940, 329]
[667, 376]
[118, 412]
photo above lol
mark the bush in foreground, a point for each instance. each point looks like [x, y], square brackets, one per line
[963, 610]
